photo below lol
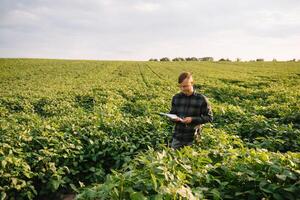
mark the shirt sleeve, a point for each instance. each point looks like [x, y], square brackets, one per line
[206, 113]
[173, 107]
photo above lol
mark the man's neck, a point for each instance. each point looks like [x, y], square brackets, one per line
[190, 93]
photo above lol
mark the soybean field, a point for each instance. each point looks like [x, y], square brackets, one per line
[92, 128]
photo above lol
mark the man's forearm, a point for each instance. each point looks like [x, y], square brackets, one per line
[202, 119]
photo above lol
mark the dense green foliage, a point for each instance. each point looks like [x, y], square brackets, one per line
[219, 167]
[66, 124]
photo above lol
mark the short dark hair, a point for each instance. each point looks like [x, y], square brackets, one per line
[183, 76]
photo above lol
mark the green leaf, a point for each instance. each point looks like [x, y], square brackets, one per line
[137, 196]
[81, 184]
[54, 184]
[278, 196]
[3, 163]
[281, 177]
[74, 188]
[290, 189]
[92, 169]
[290, 174]
[216, 194]
[262, 186]
[154, 181]
[158, 197]
[3, 196]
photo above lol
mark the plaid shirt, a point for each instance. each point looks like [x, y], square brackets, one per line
[195, 106]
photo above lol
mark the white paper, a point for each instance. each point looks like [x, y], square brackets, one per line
[171, 116]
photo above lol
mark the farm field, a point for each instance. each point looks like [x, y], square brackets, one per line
[92, 128]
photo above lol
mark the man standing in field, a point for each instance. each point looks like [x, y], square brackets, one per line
[192, 110]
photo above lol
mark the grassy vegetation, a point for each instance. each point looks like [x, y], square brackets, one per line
[91, 127]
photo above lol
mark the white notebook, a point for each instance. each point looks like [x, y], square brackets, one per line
[171, 116]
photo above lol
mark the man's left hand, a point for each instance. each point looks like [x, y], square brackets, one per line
[187, 120]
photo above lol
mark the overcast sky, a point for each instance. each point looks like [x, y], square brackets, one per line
[143, 29]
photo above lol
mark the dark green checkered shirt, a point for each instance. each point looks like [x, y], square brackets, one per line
[195, 106]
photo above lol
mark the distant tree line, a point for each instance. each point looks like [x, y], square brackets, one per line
[177, 59]
[183, 59]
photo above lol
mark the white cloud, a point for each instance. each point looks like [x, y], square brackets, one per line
[139, 29]
[146, 7]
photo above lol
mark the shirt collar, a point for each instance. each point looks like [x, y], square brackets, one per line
[194, 92]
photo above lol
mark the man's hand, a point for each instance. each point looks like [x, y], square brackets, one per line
[178, 119]
[187, 120]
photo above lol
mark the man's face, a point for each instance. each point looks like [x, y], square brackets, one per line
[187, 86]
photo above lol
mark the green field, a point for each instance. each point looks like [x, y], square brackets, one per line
[92, 128]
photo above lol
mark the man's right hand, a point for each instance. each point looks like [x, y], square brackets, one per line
[178, 119]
